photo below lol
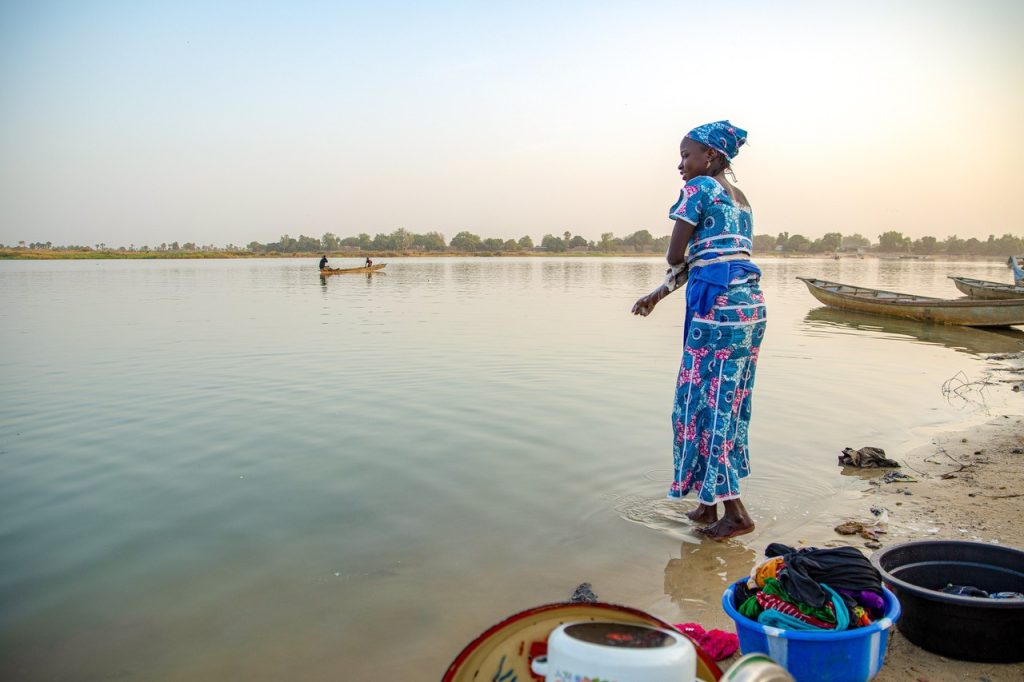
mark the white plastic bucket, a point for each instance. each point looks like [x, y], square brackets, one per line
[616, 651]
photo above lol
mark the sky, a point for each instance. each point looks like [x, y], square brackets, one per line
[128, 122]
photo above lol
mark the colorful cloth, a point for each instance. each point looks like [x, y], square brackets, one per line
[720, 135]
[724, 325]
[771, 602]
[785, 618]
[827, 613]
[766, 569]
[809, 568]
[717, 644]
[870, 601]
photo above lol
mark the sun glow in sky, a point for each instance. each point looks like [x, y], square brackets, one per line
[226, 122]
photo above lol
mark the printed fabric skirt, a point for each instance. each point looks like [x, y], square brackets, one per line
[712, 407]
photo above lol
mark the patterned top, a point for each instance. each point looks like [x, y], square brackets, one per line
[722, 227]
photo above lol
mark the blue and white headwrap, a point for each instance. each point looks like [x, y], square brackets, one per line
[721, 136]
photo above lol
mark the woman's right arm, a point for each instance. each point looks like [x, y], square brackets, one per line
[682, 233]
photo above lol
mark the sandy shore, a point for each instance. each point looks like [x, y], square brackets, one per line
[970, 487]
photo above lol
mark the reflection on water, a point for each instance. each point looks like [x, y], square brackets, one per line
[829, 320]
[697, 579]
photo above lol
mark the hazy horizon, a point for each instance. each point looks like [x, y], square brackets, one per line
[225, 123]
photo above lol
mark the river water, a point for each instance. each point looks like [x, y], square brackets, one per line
[232, 469]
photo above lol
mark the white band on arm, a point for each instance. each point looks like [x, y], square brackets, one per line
[676, 276]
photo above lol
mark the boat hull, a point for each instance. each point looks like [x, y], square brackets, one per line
[346, 271]
[966, 312]
[983, 289]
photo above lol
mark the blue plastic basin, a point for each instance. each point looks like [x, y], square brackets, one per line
[848, 656]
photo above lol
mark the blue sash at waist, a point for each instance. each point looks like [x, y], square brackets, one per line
[708, 282]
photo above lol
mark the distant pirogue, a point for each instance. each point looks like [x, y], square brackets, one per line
[965, 311]
[343, 271]
[980, 288]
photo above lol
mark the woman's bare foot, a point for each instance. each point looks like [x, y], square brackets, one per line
[725, 528]
[735, 521]
[704, 513]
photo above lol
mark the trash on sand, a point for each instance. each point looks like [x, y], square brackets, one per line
[897, 477]
[858, 528]
[583, 594]
[867, 457]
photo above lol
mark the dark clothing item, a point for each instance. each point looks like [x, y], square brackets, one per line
[866, 458]
[841, 568]
[740, 594]
[323, 262]
[965, 591]
[583, 594]
[972, 591]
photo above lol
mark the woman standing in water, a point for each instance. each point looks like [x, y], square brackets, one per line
[724, 324]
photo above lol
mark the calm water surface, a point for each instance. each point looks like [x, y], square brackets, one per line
[232, 469]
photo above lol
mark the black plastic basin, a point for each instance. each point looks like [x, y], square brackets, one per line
[965, 628]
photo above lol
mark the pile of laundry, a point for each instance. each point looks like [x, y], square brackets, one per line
[812, 589]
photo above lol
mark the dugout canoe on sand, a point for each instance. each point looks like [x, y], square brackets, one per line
[980, 288]
[345, 271]
[965, 311]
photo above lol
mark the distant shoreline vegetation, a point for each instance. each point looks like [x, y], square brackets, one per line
[401, 242]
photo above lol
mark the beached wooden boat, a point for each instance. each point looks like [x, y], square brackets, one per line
[965, 311]
[980, 288]
[344, 271]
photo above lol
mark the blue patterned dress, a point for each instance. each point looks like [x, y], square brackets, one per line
[723, 335]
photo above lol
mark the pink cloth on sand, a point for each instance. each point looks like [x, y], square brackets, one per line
[717, 644]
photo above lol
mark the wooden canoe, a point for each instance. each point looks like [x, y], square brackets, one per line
[344, 271]
[980, 288]
[964, 311]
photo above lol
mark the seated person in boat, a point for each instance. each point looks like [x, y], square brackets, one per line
[369, 262]
[323, 262]
[1018, 273]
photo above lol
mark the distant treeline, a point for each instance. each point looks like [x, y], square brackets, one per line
[642, 241]
[892, 242]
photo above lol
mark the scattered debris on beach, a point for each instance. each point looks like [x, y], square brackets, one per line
[867, 457]
[583, 594]
[897, 477]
